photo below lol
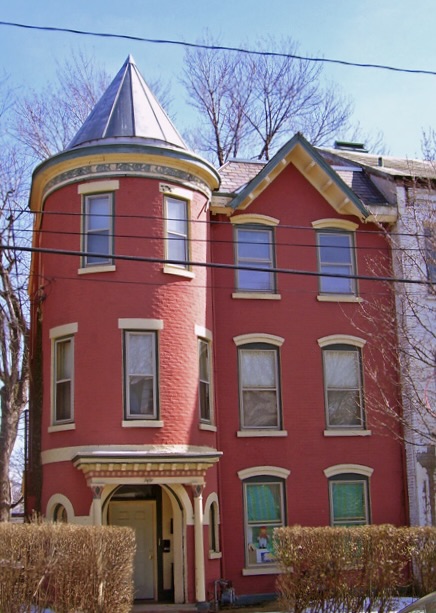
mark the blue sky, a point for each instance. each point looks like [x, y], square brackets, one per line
[393, 32]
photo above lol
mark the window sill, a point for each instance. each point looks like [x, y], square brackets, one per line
[256, 296]
[347, 432]
[338, 298]
[142, 423]
[208, 427]
[262, 570]
[215, 555]
[260, 432]
[93, 269]
[180, 272]
[61, 427]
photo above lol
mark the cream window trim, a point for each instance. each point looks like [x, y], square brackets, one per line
[345, 432]
[340, 469]
[256, 296]
[98, 186]
[211, 499]
[264, 220]
[214, 555]
[140, 324]
[142, 423]
[340, 224]
[56, 500]
[209, 427]
[270, 339]
[253, 433]
[93, 269]
[61, 427]
[262, 570]
[341, 339]
[338, 298]
[174, 190]
[264, 471]
[203, 332]
[180, 272]
[65, 330]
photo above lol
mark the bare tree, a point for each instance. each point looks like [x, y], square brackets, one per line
[251, 103]
[14, 333]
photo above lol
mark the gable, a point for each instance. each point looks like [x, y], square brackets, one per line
[313, 167]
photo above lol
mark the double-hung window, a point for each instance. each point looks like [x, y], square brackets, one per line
[63, 380]
[259, 386]
[343, 387]
[204, 359]
[336, 258]
[177, 235]
[349, 500]
[255, 248]
[140, 363]
[98, 229]
[264, 511]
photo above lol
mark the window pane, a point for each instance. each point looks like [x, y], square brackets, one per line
[204, 381]
[254, 248]
[335, 248]
[342, 369]
[64, 359]
[98, 213]
[258, 368]
[177, 230]
[260, 409]
[344, 408]
[140, 375]
[141, 396]
[264, 502]
[349, 502]
[140, 354]
[63, 400]
[263, 513]
[336, 258]
[343, 388]
[63, 380]
[98, 229]
[254, 244]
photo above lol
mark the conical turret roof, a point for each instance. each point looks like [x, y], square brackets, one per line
[128, 111]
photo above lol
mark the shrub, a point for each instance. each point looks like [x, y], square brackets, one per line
[66, 567]
[352, 569]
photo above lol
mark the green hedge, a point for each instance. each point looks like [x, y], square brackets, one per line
[353, 569]
[66, 567]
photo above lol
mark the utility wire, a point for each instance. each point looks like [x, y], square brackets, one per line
[218, 48]
[190, 263]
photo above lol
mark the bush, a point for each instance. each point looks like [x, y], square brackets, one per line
[352, 569]
[67, 568]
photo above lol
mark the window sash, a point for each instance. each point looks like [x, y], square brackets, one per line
[140, 375]
[177, 231]
[63, 380]
[430, 253]
[204, 380]
[264, 511]
[349, 502]
[254, 247]
[259, 397]
[336, 256]
[98, 229]
[343, 388]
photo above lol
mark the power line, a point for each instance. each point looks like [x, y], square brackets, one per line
[218, 48]
[213, 265]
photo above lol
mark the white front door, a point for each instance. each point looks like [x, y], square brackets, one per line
[141, 516]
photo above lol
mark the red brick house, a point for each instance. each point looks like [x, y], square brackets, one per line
[197, 373]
